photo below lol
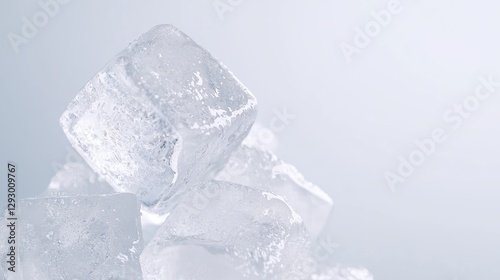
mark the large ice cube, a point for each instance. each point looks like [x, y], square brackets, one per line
[219, 225]
[77, 178]
[81, 237]
[254, 166]
[162, 115]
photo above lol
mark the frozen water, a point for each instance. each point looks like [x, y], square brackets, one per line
[193, 262]
[162, 115]
[76, 178]
[150, 223]
[253, 165]
[219, 225]
[82, 237]
[340, 272]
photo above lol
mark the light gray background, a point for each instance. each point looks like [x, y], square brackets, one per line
[352, 120]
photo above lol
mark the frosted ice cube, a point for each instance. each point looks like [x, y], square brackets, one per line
[228, 225]
[254, 166]
[162, 115]
[76, 178]
[81, 237]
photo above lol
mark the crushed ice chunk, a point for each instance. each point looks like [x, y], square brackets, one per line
[81, 237]
[220, 225]
[259, 168]
[161, 116]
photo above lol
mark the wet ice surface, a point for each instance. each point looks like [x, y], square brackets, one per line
[254, 232]
[255, 166]
[162, 115]
[83, 237]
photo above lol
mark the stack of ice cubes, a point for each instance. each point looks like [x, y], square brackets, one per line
[161, 130]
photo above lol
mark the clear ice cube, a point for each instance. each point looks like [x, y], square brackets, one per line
[219, 225]
[253, 165]
[162, 115]
[81, 237]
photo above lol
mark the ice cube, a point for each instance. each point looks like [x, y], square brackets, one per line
[162, 115]
[254, 166]
[81, 237]
[76, 178]
[219, 225]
